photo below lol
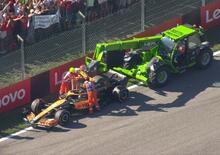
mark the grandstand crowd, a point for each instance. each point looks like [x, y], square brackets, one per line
[17, 17]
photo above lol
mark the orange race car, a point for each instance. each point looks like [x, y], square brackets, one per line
[110, 85]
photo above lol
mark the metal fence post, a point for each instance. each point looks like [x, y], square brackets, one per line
[22, 57]
[84, 37]
[83, 32]
[203, 2]
[142, 15]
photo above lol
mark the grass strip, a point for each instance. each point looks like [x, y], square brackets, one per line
[11, 122]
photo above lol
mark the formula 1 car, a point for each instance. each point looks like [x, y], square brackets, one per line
[151, 59]
[109, 85]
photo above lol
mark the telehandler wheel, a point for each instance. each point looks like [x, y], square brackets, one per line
[205, 58]
[158, 78]
[121, 93]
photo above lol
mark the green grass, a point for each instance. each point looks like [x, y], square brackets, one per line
[40, 57]
[11, 122]
[10, 77]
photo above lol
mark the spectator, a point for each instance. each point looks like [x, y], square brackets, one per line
[76, 8]
[30, 32]
[103, 7]
[19, 16]
[114, 5]
[97, 9]
[3, 34]
[90, 10]
[61, 5]
[122, 4]
[10, 41]
[110, 6]
[17, 7]
[4, 24]
[82, 6]
[21, 21]
[69, 12]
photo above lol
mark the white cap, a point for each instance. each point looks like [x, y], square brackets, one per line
[4, 15]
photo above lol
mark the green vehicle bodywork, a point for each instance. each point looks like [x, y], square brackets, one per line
[151, 59]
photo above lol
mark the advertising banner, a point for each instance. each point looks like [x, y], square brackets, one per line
[15, 96]
[57, 74]
[210, 15]
[44, 21]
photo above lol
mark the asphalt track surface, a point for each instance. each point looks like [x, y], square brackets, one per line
[181, 118]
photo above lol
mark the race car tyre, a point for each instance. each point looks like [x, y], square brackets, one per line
[205, 58]
[37, 105]
[98, 79]
[159, 77]
[100, 82]
[121, 93]
[63, 117]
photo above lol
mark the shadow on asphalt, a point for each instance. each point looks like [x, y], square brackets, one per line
[137, 102]
[21, 137]
[53, 129]
[124, 109]
[75, 124]
[188, 84]
[57, 129]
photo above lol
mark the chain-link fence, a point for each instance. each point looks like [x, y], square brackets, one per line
[66, 46]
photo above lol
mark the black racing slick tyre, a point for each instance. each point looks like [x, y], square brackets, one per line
[99, 80]
[205, 58]
[63, 117]
[37, 105]
[158, 78]
[101, 83]
[121, 93]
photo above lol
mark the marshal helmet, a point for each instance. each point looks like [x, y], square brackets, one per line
[72, 70]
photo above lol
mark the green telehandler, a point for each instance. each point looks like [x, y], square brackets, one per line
[152, 59]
